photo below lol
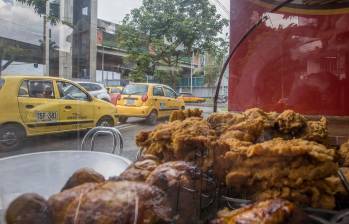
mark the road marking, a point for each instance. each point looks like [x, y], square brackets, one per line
[123, 127]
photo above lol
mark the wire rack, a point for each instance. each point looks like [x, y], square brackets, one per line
[209, 196]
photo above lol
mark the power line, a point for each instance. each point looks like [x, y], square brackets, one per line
[222, 6]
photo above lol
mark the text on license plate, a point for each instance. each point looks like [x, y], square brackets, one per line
[130, 102]
[46, 116]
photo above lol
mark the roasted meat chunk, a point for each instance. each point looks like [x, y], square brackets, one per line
[83, 176]
[175, 178]
[60, 203]
[111, 202]
[139, 171]
[275, 211]
[295, 170]
[29, 209]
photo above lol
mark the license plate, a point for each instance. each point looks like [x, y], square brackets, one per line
[130, 102]
[46, 116]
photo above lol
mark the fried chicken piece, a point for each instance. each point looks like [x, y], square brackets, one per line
[275, 211]
[269, 119]
[336, 183]
[83, 176]
[29, 209]
[248, 130]
[290, 122]
[184, 140]
[221, 121]
[111, 202]
[343, 154]
[291, 169]
[316, 131]
[181, 115]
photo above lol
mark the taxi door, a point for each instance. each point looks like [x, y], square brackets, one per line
[76, 108]
[171, 98]
[38, 106]
[160, 101]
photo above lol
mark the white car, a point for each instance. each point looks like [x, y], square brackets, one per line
[96, 89]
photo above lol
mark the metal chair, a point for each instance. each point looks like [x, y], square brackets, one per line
[118, 142]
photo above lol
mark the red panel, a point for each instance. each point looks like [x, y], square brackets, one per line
[298, 59]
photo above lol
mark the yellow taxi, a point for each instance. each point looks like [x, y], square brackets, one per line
[31, 106]
[190, 98]
[150, 101]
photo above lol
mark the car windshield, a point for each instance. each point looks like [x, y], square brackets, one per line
[91, 86]
[135, 90]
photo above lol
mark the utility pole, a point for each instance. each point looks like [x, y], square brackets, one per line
[103, 62]
[191, 73]
[46, 41]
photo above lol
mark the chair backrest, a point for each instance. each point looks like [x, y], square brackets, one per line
[91, 136]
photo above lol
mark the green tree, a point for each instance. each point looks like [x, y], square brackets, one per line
[166, 31]
[8, 53]
[39, 7]
[214, 63]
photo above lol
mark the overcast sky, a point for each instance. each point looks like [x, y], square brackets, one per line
[115, 10]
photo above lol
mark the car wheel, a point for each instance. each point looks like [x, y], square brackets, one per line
[152, 118]
[123, 119]
[11, 137]
[105, 122]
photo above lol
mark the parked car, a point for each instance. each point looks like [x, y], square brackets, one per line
[149, 101]
[190, 98]
[97, 90]
[46, 105]
[114, 89]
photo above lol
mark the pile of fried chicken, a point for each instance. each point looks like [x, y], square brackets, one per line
[279, 161]
[257, 155]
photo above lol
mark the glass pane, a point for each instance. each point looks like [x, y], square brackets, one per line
[170, 93]
[135, 90]
[38, 89]
[69, 91]
[2, 82]
[158, 91]
[23, 89]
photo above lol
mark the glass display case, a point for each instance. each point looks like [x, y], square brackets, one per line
[297, 58]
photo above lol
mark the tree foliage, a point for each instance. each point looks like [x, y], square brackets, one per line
[39, 7]
[167, 31]
[215, 60]
[8, 53]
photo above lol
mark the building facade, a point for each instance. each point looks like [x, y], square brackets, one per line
[57, 39]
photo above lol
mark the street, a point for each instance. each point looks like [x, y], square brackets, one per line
[72, 141]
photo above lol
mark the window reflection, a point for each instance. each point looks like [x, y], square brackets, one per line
[52, 39]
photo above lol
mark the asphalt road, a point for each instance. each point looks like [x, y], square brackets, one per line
[72, 141]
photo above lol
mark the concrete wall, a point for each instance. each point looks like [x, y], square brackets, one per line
[65, 54]
[93, 41]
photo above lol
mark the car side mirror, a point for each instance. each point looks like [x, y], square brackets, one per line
[90, 98]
